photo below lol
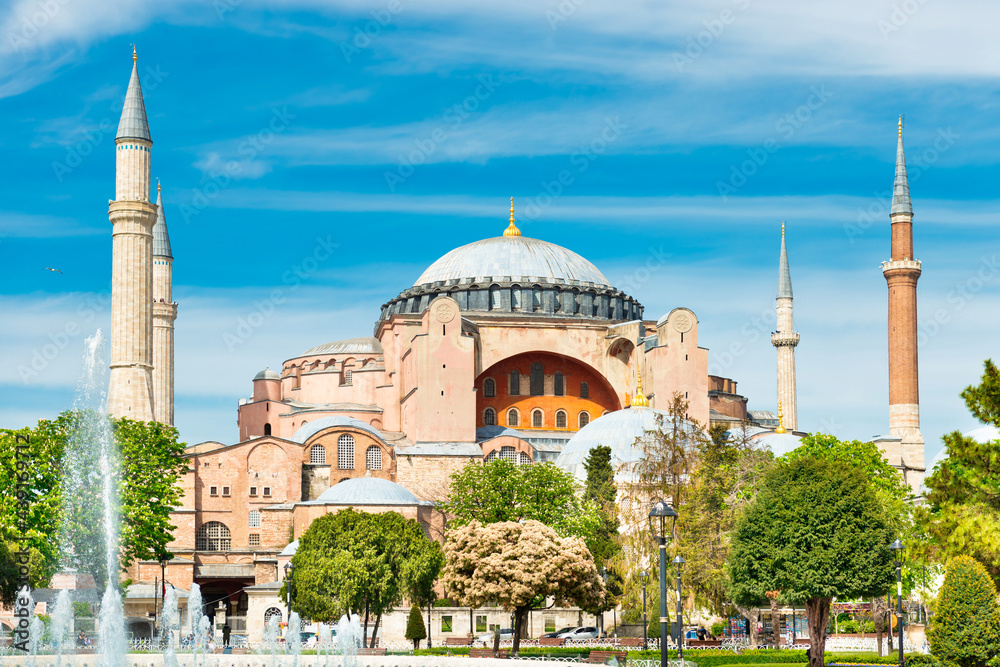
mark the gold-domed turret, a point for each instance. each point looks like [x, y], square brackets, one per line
[512, 229]
[639, 400]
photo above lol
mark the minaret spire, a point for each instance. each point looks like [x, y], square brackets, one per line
[164, 314]
[785, 339]
[905, 450]
[132, 216]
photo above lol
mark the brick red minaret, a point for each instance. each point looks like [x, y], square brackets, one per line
[901, 273]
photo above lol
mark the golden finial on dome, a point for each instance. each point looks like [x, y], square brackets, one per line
[512, 229]
[782, 227]
[781, 421]
[639, 400]
[134, 56]
[900, 126]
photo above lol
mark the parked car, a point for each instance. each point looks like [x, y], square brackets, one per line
[583, 632]
[487, 638]
[559, 633]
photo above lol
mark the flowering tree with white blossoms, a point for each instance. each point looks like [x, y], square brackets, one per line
[514, 563]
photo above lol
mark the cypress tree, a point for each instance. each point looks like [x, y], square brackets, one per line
[415, 629]
[966, 629]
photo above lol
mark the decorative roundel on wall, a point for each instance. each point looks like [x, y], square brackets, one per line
[444, 311]
[683, 322]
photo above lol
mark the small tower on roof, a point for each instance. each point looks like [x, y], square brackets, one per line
[785, 339]
[132, 216]
[164, 314]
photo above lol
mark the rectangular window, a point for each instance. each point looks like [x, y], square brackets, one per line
[255, 539]
[213, 490]
[267, 492]
[480, 624]
[253, 491]
[446, 624]
[225, 491]
[550, 624]
[537, 380]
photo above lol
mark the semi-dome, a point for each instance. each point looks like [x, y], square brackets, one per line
[314, 427]
[618, 430]
[368, 491]
[513, 258]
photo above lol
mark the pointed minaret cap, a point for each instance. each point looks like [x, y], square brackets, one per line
[512, 229]
[133, 124]
[161, 239]
[781, 421]
[639, 400]
[784, 276]
[901, 187]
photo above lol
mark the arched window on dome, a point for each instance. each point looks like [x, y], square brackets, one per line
[508, 453]
[513, 417]
[515, 383]
[345, 452]
[317, 455]
[515, 297]
[495, 301]
[373, 458]
[489, 388]
[253, 520]
[489, 417]
[267, 429]
[560, 386]
[212, 536]
[537, 379]
[583, 419]
[561, 419]
[536, 299]
[537, 418]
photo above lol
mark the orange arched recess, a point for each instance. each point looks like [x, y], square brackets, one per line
[584, 390]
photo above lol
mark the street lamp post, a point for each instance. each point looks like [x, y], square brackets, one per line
[288, 585]
[645, 623]
[897, 559]
[679, 565]
[658, 516]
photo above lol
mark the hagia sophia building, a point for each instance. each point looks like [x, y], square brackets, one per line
[508, 347]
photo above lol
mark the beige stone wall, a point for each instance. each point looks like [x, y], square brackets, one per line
[132, 170]
[164, 315]
[428, 477]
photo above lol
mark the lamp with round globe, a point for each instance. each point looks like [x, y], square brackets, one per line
[658, 517]
[897, 559]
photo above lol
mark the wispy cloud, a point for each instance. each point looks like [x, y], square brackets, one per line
[35, 226]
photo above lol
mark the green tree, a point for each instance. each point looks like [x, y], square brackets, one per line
[600, 489]
[361, 563]
[961, 515]
[415, 628]
[515, 563]
[501, 490]
[151, 462]
[815, 531]
[965, 631]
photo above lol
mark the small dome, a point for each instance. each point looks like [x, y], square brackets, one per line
[314, 427]
[266, 374]
[290, 549]
[368, 491]
[779, 443]
[617, 430]
[514, 258]
[363, 345]
[982, 435]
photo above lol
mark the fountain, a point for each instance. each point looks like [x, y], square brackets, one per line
[293, 638]
[169, 625]
[59, 628]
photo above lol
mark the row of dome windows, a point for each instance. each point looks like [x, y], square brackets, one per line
[536, 384]
[345, 454]
[537, 418]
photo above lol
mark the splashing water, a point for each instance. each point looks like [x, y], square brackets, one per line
[24, 611]
[195, 615]
[349, 638]
[37, 630]
[271, 638]
[62, 616]
[325, 643]
[169, 624]
[293, 637]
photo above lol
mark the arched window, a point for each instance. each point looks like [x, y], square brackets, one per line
[515, 383]
[509, 454]
[212, 536]
[254, 520]
[525, 459]
[583, 419]
[561, 419]
[515, 297]
[537, 379]
[345, 452]
[267, 429]
[373, 457]
[494, 298]
[560, 387]
[273, 612]
[536, 298]
[348, 376]
[490, 417]
[537, 418]
[317, 455]
[489, 388]
[584, 390]
[491, 456]
[512, 417]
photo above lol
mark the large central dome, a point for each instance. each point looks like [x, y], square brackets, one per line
[513, 258]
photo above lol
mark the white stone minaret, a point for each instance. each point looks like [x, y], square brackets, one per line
[164, 314]
[784, 339]
[132, 216]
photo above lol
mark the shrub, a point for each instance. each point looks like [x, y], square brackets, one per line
[415, 629]
[966, 629]
[718, 629]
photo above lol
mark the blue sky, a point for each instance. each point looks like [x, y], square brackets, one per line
[398, 129]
